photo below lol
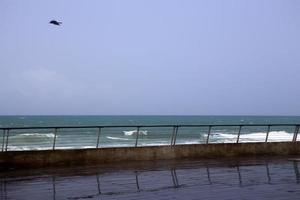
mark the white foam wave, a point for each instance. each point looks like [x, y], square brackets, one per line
[34, 135]
[154, 144]
[274, 136]
[30, 148]
[80, 147]
[26, 148]
[134, 132]
[190, 142]
[116, 138]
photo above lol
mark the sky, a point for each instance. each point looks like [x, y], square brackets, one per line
[150, 57]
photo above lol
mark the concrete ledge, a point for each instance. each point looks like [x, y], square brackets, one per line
[31, 159]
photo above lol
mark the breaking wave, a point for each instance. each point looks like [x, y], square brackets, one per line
[26, 148]
[33, 135]
[116, 138]
[274, 136]
[134, 132]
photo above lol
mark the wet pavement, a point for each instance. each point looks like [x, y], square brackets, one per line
[238, 178]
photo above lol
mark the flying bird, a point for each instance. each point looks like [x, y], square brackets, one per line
[55, 22]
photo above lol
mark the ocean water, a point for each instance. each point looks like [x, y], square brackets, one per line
[38, 139]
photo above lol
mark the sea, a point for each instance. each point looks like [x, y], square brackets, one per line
[71, 138]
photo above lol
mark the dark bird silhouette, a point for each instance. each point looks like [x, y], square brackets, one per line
[55, 22]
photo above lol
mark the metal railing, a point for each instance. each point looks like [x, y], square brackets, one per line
[175, 129]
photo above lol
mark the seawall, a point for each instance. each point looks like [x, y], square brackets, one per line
[32, 159]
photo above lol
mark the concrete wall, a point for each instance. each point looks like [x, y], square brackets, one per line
[29, 159]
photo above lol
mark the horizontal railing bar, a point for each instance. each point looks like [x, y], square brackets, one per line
[141, 126]
[226, 125]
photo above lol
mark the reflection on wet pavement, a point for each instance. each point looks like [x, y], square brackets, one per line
[275, 178]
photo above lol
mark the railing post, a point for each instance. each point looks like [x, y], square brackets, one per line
[175, 135]
[98, 139]
[137, 136]
[267, 135]
[3, 139]
[54, 139]
[208, 134]
[7, 135]
[239, 133]
[296, 133]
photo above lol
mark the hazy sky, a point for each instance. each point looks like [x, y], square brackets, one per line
[201, 57]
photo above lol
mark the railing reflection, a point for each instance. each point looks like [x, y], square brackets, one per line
[3, 193]
[268, 173]
[296, 170]
[140, 181]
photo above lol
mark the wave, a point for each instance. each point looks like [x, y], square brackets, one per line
[29, 148]
[154, 144]
[33, 135]
[134, 132]
[116, 138]
[274, 136]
